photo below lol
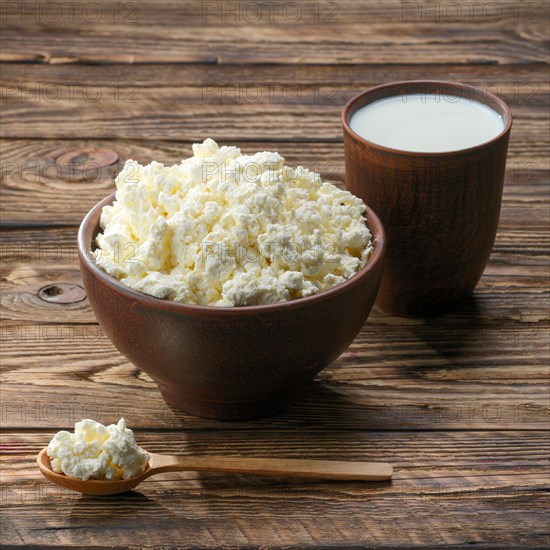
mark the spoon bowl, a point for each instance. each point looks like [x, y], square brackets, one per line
[98, 487]
[318, 469]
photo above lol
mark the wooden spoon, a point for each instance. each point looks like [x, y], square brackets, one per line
[319, 469]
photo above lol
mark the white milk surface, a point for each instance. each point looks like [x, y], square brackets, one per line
[427, 123]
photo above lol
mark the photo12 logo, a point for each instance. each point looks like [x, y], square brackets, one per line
[290, 253]
[269, 12]
[469, 12]
[526, 93]
[69, 12]
[124, 92]
[271, 92]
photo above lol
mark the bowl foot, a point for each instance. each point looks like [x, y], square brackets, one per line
[226, 410]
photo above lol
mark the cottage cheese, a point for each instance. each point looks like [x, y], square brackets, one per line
[226, 229]
[96, 451]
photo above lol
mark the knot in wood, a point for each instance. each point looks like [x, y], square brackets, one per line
[84, 159]
[62, 293]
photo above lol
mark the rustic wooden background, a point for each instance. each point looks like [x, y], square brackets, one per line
[459, 404]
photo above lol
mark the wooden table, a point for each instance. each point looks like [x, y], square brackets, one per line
[458, 404]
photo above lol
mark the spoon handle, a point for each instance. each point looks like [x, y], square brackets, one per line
[321, 469]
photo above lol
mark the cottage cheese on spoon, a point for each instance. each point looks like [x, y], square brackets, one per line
[95, 451]
[226, 229]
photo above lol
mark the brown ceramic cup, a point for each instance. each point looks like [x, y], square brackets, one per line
[440, 210]
[230, 363]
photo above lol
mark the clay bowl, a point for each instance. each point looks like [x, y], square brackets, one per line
[230, 363]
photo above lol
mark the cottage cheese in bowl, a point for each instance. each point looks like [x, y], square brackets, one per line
[226, 229]
[95, 451]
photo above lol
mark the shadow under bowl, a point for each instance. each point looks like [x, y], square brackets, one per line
[230, 363]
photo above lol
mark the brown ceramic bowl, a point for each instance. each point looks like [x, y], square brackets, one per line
[230, 363]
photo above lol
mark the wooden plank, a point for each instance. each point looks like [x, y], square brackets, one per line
[173, 13]
[447, 489]
[428, 455]
[58, 181]
[276, 518]
[430, 376]
[96, 162]
[495, 304]
[39, 248]
[525, 83]
[235, 107]
[513, 288]
[93, 94]
[409, 32]
[434, 352]
[149, 119]
[32, 259]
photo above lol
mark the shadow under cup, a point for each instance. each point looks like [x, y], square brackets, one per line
[440, 210]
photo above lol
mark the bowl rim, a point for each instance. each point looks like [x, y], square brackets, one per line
[350, 105]
[374, 224]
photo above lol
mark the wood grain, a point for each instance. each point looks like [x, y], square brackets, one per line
[518, 84]
[171, 33]
[416, 384]
[173, 13]
[145, 121]
[36, 172]
[51, 106]
[458, 404]
[478, 483]
[426, 454]
[31, 263]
